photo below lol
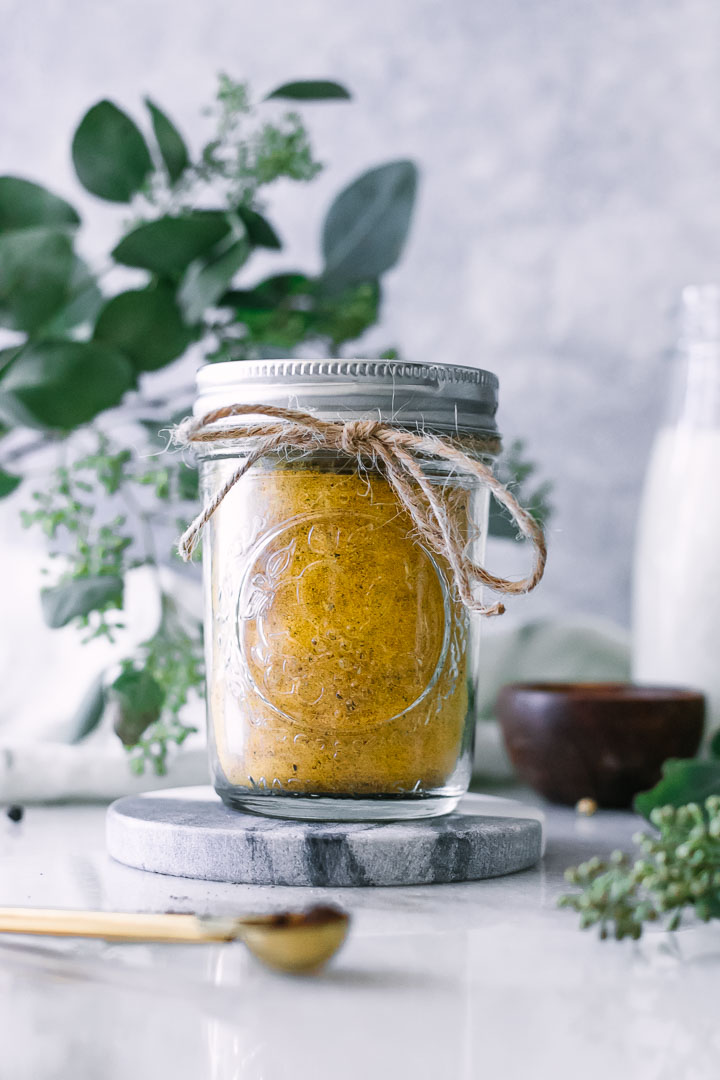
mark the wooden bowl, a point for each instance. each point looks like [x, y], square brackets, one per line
[605, 741]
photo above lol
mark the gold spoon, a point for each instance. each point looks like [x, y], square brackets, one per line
[292, 941]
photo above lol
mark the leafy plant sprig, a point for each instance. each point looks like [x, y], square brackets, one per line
[94, 552]
[93, 544]
[151, 690]
[679, 872]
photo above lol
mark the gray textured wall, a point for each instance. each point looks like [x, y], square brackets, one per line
[571, 158]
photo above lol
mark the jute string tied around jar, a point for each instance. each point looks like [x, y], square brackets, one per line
[398, 453]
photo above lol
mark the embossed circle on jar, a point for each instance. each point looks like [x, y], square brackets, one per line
[343, 620]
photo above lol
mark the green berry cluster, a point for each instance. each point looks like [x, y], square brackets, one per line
[679, 871]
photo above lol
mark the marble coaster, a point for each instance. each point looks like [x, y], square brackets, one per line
[189, 832]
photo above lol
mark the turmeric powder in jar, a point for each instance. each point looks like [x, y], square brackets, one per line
[340, 662]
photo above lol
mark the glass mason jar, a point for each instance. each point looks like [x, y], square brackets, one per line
[341, 666]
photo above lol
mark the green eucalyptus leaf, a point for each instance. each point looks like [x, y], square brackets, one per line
[205, 283]
[310, 90]
[139, 699]
[683, 781]
[63, 384]
[80, 596]
[259, 231]
[168, 246]
[8, 483]
[367, 225]
[24, 205]
[145, 325]
[109, 153]
[170, 142]
[90, 710]
[82, 303]
[35, 273]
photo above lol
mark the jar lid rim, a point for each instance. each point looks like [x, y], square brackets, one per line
[446, 396]
[245, 370]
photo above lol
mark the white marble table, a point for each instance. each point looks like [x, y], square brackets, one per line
[486, 979]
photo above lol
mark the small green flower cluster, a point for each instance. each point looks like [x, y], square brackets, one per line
[679, 870]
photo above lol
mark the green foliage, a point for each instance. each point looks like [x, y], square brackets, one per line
[93, 545]
[92, 550]
[8, 483]
[36, 266]
[171, 667]
[683, 781]
[258, 230]
[237, 161]
[63, 384]
[90, 710]
[80, 596]
[139, 700]
[679, 871]
[82, 302]
[517, 472]
[170, 142]
[156, 743]
[109, 153]
[205, 282]
[146, 326]
[367, 225]
[167, 246]
[283, 151]
[310, 90]
[24, 205]
[287, 309]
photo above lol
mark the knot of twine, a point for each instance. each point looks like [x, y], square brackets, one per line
[398, 453]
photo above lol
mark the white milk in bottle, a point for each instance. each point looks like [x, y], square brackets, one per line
[676, 601]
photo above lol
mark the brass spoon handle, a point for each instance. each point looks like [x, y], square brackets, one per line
[117, 925]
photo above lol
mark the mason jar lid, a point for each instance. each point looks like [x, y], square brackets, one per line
[442, 397]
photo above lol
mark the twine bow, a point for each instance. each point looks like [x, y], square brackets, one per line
[398, 453]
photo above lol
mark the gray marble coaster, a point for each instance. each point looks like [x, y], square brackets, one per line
[188, 832]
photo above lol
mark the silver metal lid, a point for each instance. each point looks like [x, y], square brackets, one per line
[443, 397]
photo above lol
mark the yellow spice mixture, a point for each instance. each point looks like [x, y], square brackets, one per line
[338, 659]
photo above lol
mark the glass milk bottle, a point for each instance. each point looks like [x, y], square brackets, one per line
[676, 603]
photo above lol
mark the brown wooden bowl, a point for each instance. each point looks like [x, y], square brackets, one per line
[604, 741]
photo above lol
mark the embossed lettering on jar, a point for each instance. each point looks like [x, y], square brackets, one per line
[341, 664]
